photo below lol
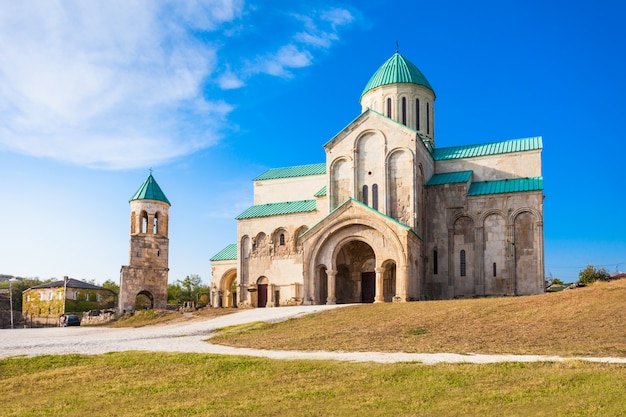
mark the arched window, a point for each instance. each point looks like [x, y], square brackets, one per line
[427, 118]
[404, 111]
[375, 196]
[144, 222]
[435, 261]
[417, 114]
[365, 192]
[155, 228]
[462, 263]
[281, 239]
[388, 107]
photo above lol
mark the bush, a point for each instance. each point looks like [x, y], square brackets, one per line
[591, 274]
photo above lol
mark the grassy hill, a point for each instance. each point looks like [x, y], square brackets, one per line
[588, 321]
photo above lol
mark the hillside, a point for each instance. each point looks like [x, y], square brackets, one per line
[589, 321]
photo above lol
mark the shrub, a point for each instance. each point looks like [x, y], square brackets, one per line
[591, 274]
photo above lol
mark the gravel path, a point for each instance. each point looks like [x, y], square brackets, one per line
[191, 337]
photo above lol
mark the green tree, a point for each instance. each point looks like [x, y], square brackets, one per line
[592, 274]
[190, 287]
[173, 293]
[109, 284]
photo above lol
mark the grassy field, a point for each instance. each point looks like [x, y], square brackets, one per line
[589, 321]
[147, 384]
[152, 317]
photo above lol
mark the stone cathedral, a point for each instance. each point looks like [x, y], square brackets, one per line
[389, 216]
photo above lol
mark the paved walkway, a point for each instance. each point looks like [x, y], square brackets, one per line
[191, 337]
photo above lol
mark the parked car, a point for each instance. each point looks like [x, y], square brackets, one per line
[71, 320]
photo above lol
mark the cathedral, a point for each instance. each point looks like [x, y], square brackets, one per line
[389, 216]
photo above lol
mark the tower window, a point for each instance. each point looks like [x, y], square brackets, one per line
[427, 118]
[388, 107]
[375, 196]
[404, 111]
[494, 269]
[281, 239]
[463, 263]
[435, 261]
[365, 192]
[155, 228]
[417, 114]
[144, 223]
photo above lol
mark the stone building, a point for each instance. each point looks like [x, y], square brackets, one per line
[143, 283]
[46, 302]
[389, 216]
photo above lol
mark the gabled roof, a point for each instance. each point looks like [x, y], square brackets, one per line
[290, 172]
[229, 253]
[515, 185]
[150, 190]
[396, 69]
[450, 178]
[357, 202]
[470, 151]
[275, 209]
[71, 283]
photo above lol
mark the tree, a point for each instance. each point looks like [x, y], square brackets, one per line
[190, 287]
[109, 284]
[173, 293]
[591, 274]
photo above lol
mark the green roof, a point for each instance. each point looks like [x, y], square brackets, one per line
[469, 151]
[397, 69]
[150, 190]
[450, 178]
[516, 185]
[276, 209]
[320, 193]
[290, 172]
[229, 253]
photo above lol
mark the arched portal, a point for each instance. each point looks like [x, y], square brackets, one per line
[144, 301]
[355, 279]
[228, 289]
[262, 292]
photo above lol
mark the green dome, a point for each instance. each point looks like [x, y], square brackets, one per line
[397, 69]
[150, 190]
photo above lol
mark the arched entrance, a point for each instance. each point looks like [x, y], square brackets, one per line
[228, 289]
[355, 280]
[144, 301]
[262, 292]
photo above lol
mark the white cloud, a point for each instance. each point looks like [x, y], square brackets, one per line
[111, 84]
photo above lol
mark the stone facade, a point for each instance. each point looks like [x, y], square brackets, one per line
[147, 272]
[389, 216]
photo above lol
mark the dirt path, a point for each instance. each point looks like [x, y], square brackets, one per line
[191, 337]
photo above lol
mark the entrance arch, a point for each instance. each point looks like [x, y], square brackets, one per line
[262, 292]
[355, 280]
[227, 293]
[144, 300]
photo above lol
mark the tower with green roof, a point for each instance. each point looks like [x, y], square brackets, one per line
[143, 283]
[400, 91]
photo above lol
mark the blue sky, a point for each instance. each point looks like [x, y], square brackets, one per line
[210, 94]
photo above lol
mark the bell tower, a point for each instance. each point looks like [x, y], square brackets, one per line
[145, 279]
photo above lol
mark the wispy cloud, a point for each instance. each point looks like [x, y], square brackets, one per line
[121, 84]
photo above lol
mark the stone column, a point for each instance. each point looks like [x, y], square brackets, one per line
[380, 295]
[402, 283]
[331, 274]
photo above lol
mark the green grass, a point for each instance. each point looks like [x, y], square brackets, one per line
[148, 384]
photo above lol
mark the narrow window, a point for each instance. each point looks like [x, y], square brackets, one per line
[87, 297]
[417, 114]
[144, 223]
[427, 118]
[404, 111]
[158, 253]
[435, 261]
[365, 192]
[375, 196]
[494, 269]
[462, 263]
[282, 239]
[388, 107]
[155, 227]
